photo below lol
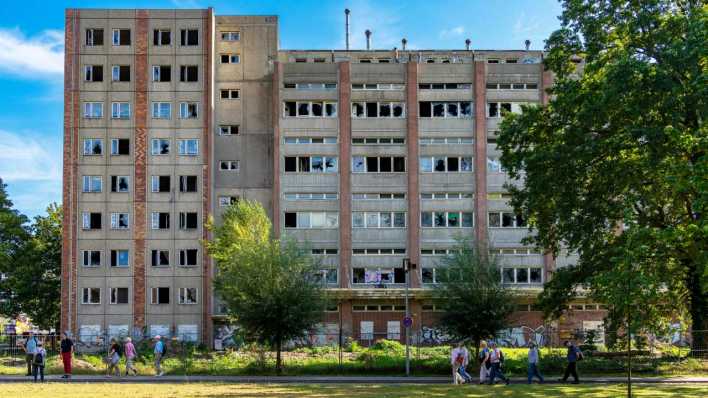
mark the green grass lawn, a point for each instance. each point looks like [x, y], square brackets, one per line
[56, 390]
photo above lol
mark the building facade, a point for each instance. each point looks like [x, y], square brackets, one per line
[370, 156]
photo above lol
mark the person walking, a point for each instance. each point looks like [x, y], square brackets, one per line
[497, 358]
[39, 359]
[573, 356]
[67, 350]
[113, 359]
[484, 364]
[533, 364]
[458, 358]
[130, 355]
[159, 352]
[30, 347]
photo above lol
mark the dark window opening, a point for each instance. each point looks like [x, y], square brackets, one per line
[189, 37]
[188, 220]
[372, 164]
[290, 164]
[453, 164]
[188, 73]
[425, 109]
[188, 257]
[372, 109]
[188, 183]
[399, 275]
[290, 220]
[399, 164]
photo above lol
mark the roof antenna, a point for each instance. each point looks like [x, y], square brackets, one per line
[346, 27]
[368, 39]
[527, 43]
[403, 43]
[467, 44]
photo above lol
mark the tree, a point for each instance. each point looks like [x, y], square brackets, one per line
[615, 166]
[14, 234]
[271, 287]
[475, 304]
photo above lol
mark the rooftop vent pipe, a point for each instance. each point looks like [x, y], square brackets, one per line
[467, 44]
[368, 39]
[403, 43]
[527, 43]
[346, 27]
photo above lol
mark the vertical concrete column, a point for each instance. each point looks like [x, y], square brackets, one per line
[276, 108]
[344, 85]
[413, 190]
[480, 153]
[69, 185]
[549, 262]
[140, 165]
[208, 24]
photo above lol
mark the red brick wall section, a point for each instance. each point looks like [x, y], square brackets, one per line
[68, 265]
[480, 154]
[345, 310]
[345, 159]
[413, 190]
[140, 154]
[206, 176]
[276, 111]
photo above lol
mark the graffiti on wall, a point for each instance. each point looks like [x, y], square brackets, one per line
[433, 336]
[521, 336]
[226, 337]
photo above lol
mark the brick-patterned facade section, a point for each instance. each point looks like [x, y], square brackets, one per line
[275, 109]
[480, 152]
[413, 187]
[68, 266]
[206, 175]
[140, 154]
[345, 155]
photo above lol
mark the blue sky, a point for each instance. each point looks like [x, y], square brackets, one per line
[31, 58]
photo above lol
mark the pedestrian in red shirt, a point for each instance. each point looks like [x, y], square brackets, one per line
[67, 349]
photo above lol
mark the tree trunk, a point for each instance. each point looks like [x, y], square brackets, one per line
[278, 363]
[699, 313]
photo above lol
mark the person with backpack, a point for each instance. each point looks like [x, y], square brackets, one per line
[67, 350]
[496, 357]
[159, 352]
[484, 364]
[39, 359]
[130, 355]
[114, 354]
[573, 356]
[533, 364]
[30, 347]
[459, 359]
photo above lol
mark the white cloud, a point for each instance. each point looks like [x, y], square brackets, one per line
[38, 56]
[452, 32]
[26, 157]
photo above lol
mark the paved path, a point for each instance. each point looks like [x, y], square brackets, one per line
[332, 379]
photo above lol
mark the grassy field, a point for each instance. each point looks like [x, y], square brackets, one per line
[385, 358]
[55, 390]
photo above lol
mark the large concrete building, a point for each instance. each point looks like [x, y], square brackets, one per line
[371, 156]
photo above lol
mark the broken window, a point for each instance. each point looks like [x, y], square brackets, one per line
[228, 130]
[160, 146]
[160, 295]
[120, 73]
[397, 109]
[119, 295]
[290, 109]
[161, 37]
[91, 258]
[188, 295]
[316, 109]
[189, 37]
[160, 258]
[188, 147]
[188, 257]
[188, 73]
[506, 107]
[160, 184]
[120, 146]
[188, 110]
[188, 183]
[230, 94]
[188, 220]
[465, 109]
[91, 295]
[330, 109]
[120, 183]
[493, 109]
[121, 37]
[94, 37]
[160, 220]
[303, 109]
[358, 110]
[92, 184]
[231, 165]
[438, 109]
[91, 220]
[93, 146]
[93, 73]
[384, 109]
[161, 73]
[120, 220]
[303, 164]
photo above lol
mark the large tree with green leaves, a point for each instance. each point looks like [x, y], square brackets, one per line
[615, 166]
[14, 235]
[271, 287]
[475, 305]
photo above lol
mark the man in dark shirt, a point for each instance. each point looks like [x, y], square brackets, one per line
[67, 349]
[573, 356]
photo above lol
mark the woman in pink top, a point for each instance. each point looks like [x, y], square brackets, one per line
[130, 355]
